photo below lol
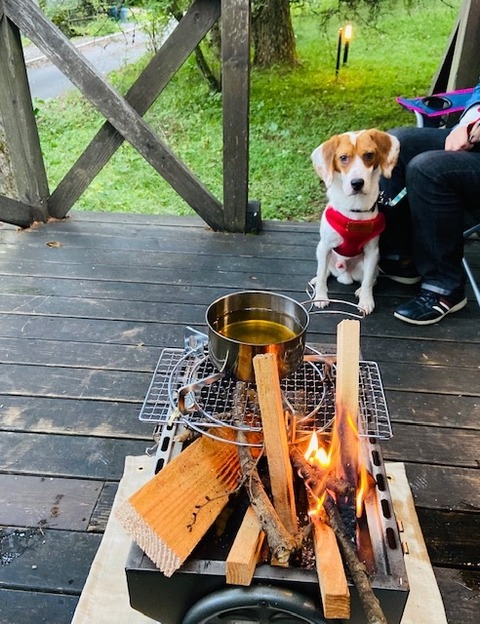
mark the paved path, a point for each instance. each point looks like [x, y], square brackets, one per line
[105, 53]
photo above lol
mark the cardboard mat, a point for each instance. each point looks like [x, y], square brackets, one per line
[104, 599]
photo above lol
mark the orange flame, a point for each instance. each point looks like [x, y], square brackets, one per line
[328, 459]
[362, 489]
[316, 454]
[315, 511]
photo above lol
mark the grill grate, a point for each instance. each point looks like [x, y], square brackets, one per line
[309, 393]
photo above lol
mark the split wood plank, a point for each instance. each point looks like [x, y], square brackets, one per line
[275, 438]
[169, 515]
[245, 550]
[331, 573]
[345, 434]
[348, 366]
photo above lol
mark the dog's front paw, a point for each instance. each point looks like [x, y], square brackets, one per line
[321, 298]
[321, 302]
[365, 301]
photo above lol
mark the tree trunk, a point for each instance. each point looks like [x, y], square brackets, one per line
[272, 34]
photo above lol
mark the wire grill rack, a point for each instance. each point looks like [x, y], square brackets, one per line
[309, 394]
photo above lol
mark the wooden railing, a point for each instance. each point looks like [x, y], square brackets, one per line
[123, 115]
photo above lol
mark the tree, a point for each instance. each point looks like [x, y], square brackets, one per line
[272, 34]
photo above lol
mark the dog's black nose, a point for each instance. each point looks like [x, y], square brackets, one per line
[357, 184]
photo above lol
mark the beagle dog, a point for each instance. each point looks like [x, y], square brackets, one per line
[350, 165]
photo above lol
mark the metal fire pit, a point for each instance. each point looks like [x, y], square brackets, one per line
[197, 593]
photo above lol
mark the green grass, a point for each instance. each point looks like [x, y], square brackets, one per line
[292, 111]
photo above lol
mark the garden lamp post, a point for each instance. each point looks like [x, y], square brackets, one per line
[347, 36]
[344, 38]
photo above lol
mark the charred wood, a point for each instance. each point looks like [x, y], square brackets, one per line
[316, 479]
[282, 544]
[358, 571]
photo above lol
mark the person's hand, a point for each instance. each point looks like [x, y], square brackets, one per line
[474, 132]
[458, 139]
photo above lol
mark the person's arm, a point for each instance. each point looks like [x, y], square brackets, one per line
[467, 132]
[473, 100]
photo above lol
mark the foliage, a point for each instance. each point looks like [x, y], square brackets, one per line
[79, 17]
[292, 111]
[155, 16]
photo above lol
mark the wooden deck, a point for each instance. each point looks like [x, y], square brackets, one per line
[88, 303]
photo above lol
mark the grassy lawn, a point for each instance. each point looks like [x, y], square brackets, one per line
[292, 111]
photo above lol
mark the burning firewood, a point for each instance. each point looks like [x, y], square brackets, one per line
[330, 570]
[275, 438]
[357, 569]
[335, 488]
[318, 480]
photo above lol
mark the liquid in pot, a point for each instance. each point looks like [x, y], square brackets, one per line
[257, 331]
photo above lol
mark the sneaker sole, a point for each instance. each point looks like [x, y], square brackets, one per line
[455, 308]
[409, 281]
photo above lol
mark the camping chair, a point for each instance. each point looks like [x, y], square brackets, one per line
[438, 110]
[443, 110]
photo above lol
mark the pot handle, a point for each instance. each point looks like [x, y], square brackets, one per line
[310, 290]
[192, 389]
[195, 341]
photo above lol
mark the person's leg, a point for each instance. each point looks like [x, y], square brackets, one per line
[396, 240]
[442, 186]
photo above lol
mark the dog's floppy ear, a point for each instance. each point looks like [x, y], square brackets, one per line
[388, 148]
[323, 157]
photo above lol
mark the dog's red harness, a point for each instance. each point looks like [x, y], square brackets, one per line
[355, 234]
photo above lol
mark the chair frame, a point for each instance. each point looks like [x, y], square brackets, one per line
[468, 234]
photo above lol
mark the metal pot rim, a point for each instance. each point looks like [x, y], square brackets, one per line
[297, 304]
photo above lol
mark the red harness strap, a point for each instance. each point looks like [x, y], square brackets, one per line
[355, 234]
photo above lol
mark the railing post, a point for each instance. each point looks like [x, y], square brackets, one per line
[239, 214]
[27, 166]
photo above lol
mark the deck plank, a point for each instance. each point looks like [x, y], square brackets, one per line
[27, 501]
[31, 607]
[83, 322]
[47, 560]
[71, 456]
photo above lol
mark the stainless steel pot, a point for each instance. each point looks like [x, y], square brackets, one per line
[244, 324]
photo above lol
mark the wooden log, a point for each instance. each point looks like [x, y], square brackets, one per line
[275, 438]
[345, 440]
[282, 544]
[316, 479]
[347, 395]
[328, 561]
[245, 550]
[371, 605]
[330, 571]
[169, 515]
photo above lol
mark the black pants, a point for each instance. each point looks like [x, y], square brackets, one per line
[443, 198]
